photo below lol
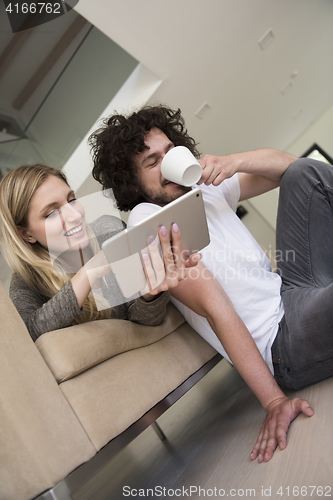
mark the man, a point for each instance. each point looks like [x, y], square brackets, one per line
[246, 313]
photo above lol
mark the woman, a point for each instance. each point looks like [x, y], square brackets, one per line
[61, 277]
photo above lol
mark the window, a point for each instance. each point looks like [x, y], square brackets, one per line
[317, 153]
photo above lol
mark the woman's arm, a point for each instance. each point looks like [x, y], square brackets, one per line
[40, 313]
[150, 313]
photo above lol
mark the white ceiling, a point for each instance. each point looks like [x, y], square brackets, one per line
[209, 51]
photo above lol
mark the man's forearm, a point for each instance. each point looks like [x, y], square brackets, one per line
[207, 298]
[258, 171]
[244, 354]
[261, 171]
[270, 163]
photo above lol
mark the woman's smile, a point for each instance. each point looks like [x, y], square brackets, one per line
[56, 219]
[74, 232]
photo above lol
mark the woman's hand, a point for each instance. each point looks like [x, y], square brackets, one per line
[88, 276]
[279, 415]
[97, 267]
[165, 273]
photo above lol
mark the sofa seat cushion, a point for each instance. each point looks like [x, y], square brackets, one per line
[73, 350]
[112, 395]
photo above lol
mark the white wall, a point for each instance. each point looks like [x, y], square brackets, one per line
[320, 132]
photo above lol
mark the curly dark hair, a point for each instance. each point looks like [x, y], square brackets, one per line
[120, 138]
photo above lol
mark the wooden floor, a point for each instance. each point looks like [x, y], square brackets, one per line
[210, 434]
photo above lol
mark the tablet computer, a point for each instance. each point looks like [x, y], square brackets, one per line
[125, 249]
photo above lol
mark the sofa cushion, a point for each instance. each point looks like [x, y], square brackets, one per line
[72, 350]
[124, 388]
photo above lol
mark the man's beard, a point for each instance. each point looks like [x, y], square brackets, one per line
[163, 198]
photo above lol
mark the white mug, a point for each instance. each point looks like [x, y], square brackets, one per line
[180, 166]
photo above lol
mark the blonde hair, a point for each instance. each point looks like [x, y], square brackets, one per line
[32, 261]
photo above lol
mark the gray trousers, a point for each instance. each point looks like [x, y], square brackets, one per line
[303, 347]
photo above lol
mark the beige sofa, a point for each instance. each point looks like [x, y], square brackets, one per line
[70, 401]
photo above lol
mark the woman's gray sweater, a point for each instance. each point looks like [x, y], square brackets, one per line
[42, 314]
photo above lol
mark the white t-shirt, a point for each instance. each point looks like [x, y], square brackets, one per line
[239, 264]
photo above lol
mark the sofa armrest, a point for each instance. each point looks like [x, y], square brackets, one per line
[73, 350]
[41, 438]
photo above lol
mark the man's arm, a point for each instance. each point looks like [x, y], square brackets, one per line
[205, 296]
[258, 171]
